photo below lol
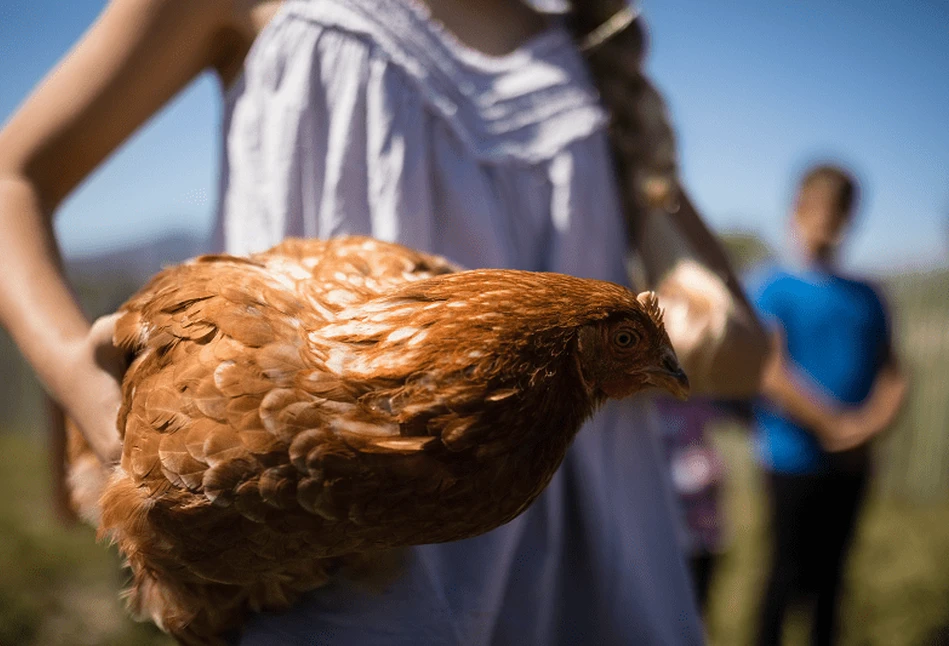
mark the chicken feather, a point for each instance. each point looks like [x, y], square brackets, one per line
[303, 411]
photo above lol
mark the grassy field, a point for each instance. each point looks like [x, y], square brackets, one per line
[898, 581]
[57, 587]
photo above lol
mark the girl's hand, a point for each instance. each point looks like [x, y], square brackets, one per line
[836, 428]
[876, 414]
[96, 367]
[847, 430]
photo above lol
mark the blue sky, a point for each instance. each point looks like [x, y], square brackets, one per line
[757, 89]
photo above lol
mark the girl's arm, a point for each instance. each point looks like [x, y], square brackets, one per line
[745, 348]
[735, 370]
[137, 55]
[879, 411]
[838, 428]
[807, 406]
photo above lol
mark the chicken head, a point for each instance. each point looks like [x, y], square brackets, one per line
[629, 352]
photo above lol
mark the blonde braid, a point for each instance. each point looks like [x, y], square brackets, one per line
[641, 135]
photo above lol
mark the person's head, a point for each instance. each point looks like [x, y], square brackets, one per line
[823, 209]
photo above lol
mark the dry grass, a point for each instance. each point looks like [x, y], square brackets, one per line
[58, 587]
[898, 580]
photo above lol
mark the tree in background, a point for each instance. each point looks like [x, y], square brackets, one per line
[746, 249]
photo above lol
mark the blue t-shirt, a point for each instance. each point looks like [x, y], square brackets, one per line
[837, 336]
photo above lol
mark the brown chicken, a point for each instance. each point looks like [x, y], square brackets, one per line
[295, 413]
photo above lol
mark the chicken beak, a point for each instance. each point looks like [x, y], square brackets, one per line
[670, 376]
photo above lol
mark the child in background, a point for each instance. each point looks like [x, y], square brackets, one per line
[833, 383]
[697, 475]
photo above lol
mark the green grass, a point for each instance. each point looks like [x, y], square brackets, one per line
[58, 587]
[916, 450]
[898, 576]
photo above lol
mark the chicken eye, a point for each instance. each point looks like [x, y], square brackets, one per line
[625, 338]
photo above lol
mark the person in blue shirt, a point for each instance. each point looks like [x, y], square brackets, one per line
[833, 383]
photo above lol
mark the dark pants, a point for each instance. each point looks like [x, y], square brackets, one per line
[812, 525]
[701, 566]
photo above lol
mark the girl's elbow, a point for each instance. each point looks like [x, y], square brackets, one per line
[732, 366]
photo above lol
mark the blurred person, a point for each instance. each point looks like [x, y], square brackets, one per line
[697, 473]
[832, 384]
[478, 131]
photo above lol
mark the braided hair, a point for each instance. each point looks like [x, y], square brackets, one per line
[642, 140]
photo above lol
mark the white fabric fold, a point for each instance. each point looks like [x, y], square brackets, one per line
[362, 116]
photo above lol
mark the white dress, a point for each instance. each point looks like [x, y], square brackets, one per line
[362, 116]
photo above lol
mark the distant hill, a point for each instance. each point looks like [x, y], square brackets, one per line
[104, 281]
[140, 260]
